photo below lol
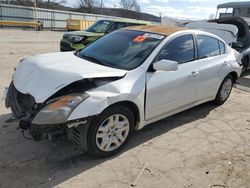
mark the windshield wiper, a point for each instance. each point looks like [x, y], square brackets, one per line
[92, 59]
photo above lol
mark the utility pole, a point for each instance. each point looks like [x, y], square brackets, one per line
[101, 5]
[35, 5]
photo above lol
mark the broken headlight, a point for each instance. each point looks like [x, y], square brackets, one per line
[58, 111]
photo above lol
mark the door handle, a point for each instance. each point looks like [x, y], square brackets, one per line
[194, 74]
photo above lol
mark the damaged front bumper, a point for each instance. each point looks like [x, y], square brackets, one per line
[48, 120]
[76, 131]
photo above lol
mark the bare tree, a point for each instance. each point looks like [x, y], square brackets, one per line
[130, 5]
[21, 2]
[59, 2]
[88, 4]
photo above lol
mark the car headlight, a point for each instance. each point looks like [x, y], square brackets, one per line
[75, 38]
[58, 111]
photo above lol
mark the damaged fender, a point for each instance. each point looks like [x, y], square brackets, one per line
[102, 97]
[99, 101]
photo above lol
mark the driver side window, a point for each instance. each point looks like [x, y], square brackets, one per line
[180, 49]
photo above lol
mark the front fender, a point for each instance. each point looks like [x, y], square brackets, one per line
[99, 101]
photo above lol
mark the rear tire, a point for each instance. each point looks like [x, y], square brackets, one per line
[110, 131]
[224, 90]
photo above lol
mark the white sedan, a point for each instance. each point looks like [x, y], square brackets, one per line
[122, 82]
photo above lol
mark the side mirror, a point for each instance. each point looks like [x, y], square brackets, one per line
[165, 65]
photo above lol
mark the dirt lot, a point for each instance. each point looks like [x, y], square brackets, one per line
[206, 146]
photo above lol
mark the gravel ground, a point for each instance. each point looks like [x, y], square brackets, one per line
[206, 146]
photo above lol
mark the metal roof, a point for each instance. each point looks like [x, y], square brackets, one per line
[245, 4]
[164, 30]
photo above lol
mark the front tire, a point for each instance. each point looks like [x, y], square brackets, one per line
[110, 131]
[224, 90]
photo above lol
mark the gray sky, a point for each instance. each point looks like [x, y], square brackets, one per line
[187, 9]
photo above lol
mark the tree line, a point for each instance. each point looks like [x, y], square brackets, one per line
[127, 8]
[87, 4]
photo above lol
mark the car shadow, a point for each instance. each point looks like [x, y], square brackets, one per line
[43, 161]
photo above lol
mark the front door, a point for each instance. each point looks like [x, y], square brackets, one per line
[167, 91]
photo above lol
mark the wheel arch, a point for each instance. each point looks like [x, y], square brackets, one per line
[234, 75]
[132, 106]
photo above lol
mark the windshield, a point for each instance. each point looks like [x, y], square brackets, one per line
[123, 49]
[100, 26]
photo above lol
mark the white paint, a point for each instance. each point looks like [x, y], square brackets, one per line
[43, 75]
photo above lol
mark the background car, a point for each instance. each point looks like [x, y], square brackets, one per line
[79, 39]
[98, 96]
[234, 30]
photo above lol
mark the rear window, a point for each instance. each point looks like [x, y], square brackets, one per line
[207, 46]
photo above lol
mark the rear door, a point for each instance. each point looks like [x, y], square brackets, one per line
[211, 60]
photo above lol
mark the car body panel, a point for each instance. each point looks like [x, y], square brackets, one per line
[180, 90]
[114, 92]
[57, 70]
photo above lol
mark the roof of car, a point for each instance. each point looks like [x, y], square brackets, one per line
[159, 29]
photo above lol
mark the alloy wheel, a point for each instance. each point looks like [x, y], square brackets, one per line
[112, 132]
[226, 89]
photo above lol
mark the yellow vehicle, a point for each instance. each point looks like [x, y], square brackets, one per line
[78, 25]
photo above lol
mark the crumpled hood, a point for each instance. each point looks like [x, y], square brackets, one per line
[43, 75]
